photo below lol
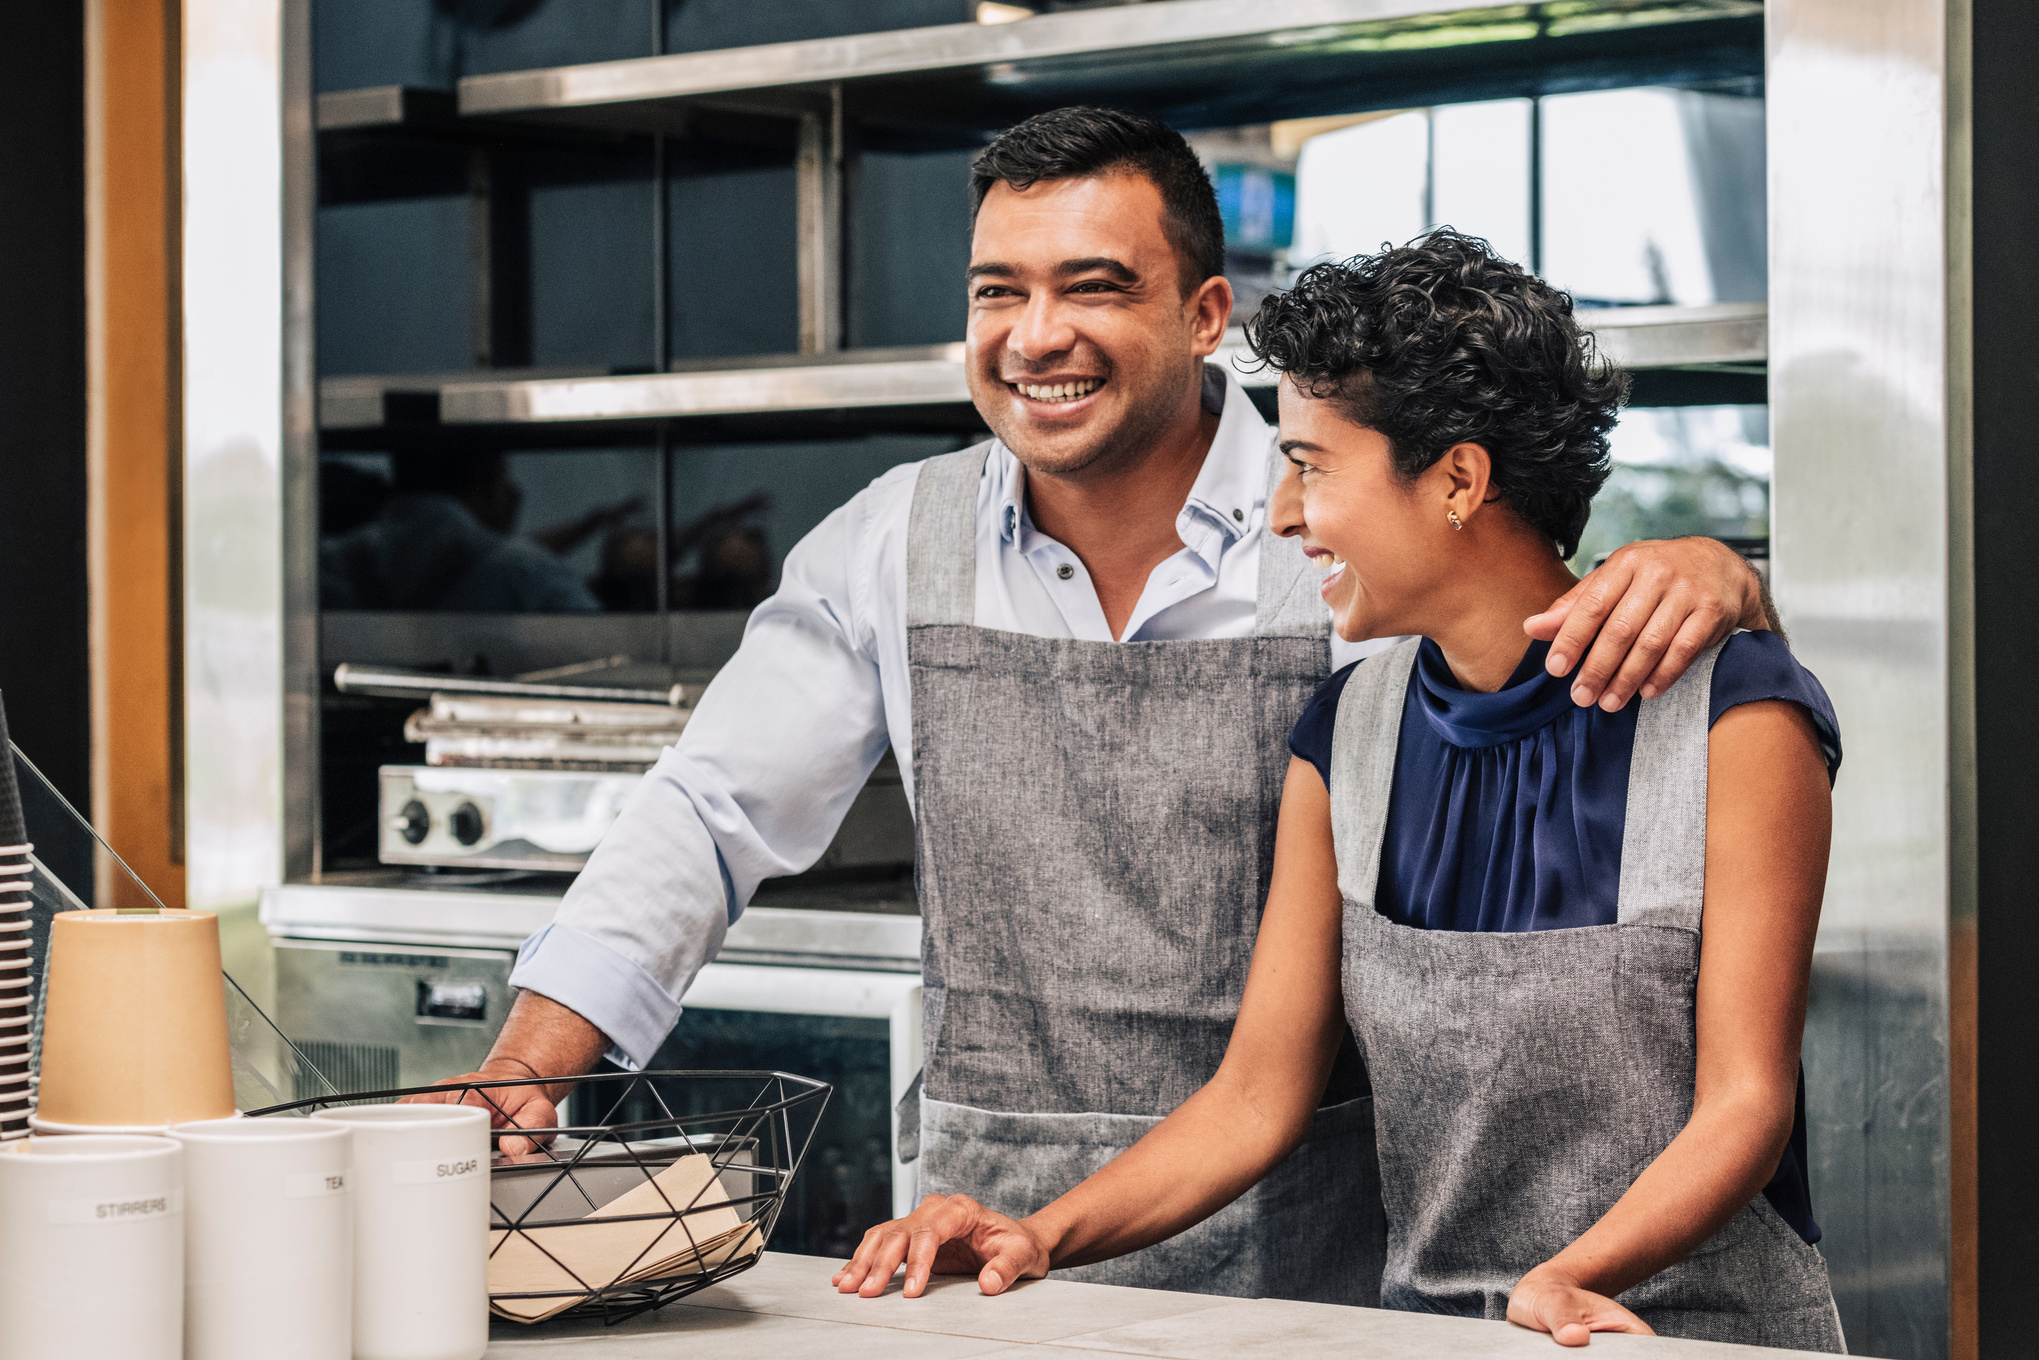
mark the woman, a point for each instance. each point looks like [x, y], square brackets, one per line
[1573, 944]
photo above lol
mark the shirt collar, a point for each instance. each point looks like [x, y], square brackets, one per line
[1230, 491]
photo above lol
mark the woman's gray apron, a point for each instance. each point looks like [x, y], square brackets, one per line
[1522, 1081]
[1095, 827]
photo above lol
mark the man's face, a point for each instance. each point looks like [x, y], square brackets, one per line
[1082, 347]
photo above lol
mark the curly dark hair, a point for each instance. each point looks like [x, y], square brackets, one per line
[1441, 342]
[1081, 141]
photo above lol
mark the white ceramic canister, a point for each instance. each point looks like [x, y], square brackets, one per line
[92, 1248]
[420, 1182]
[268, 1239]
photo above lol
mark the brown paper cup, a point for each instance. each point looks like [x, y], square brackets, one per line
[135, 1022]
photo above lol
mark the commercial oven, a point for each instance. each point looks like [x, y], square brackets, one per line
[401, 986]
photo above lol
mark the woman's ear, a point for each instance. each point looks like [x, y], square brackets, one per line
[1467, 480]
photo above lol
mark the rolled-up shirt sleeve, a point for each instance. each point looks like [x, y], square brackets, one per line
[755, 787]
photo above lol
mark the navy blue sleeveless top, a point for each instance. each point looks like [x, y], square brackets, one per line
[1508, 808]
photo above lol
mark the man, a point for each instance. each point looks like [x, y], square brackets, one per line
[1088, 652]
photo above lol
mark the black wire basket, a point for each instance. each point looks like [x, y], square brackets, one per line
[656, 1185]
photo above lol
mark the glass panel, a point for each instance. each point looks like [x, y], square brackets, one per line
[733, 269]
[265, 1064]
[1683, 470]
[738, 508]
[488, 533]
[1654, 196]
[591, 256]
[1649, 195]
[1480, 173]
[394, 283]
[909, 243]
[359, 43]
[1359, 186]
[846, 1184]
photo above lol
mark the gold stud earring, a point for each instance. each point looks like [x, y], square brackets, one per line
[1456, 523]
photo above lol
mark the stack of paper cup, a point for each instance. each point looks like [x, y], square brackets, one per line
[92, 1249]
[17, 1001]
[420, 1182]
[134, 1024]
[268, 1239]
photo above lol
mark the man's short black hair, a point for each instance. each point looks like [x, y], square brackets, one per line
[1075, 143]
[1440, 342]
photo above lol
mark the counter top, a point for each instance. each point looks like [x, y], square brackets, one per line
[783, 1307]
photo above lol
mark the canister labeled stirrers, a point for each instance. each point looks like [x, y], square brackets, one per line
[91, 1248]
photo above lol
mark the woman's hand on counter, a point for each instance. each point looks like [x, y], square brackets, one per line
[946, 1235]
[1550, 1300]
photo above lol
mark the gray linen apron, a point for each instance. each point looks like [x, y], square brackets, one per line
[1095, 828]
[1523, 1081]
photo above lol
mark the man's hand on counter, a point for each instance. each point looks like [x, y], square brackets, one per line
[1645, 614]
[541, 1038]
[946, 1235]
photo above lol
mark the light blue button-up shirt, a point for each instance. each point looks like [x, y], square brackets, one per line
[789, 731]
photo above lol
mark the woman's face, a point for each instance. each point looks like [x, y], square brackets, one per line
[1380, 544]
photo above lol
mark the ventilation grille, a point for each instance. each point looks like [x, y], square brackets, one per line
[349, 1067]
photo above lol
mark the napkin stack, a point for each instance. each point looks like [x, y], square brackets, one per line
[565, 1259]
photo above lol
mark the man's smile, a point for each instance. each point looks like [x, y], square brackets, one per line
[1060, 392]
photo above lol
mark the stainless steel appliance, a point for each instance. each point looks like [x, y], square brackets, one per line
[383, 986]
[551, 819]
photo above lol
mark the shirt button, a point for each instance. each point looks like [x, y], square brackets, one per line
[1239, 515]
[1065, 571]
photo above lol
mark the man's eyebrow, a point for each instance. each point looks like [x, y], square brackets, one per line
[992, 267]
[1289, 446]
[1101, 264]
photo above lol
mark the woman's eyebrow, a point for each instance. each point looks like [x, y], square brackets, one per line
[1289, 446]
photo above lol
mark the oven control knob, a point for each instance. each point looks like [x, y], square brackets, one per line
[413, 823]
[466, 823]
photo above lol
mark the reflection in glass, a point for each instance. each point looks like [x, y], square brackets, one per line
[1654, 196]
[1391, 177]
[738, 509]
[1682, 470]
[440, 531]
[1647, 195]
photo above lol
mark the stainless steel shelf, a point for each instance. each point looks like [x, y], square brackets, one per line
[384, 107]
[1200, 54]
[936, 379]
[1727, 337]
[1732, 336]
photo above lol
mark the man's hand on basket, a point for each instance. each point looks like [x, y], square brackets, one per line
[946, 1235]
[509, 1107]
[541, 1038]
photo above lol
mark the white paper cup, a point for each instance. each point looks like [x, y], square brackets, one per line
[268, 1239]
[421, 1218]
[91, 1248]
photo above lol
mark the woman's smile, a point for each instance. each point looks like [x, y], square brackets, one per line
[1331, 565]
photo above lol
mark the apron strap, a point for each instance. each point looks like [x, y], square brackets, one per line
[1663, 845]
[1364, 740]
[941, 538]
[1288, 604]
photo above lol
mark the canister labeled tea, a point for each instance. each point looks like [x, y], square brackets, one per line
[269, 1239]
